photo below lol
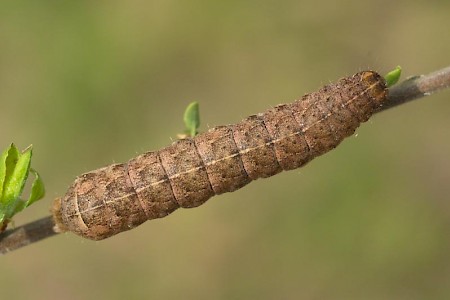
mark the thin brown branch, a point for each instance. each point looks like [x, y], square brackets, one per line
[27, 234]
[418, 87]
[410, 89]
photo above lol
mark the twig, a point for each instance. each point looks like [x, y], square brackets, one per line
[410, 89]
[417, 87]
[26, 234]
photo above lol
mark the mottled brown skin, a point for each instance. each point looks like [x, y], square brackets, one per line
[104, 202]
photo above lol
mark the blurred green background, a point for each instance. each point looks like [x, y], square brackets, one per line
[89, 83]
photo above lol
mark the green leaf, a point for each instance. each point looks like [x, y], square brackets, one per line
[393, 76]
[192, 118]
[11, 151]
[17, 169]
[8, 158]
[18, 206]
[37, 193]
[37, 189]
[14, 171]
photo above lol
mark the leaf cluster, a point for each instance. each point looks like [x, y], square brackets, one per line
[15, 167]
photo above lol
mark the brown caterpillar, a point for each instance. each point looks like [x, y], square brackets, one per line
[119, 197]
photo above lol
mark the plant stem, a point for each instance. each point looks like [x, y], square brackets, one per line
[27, 234]
[417, 87]
[410, 89]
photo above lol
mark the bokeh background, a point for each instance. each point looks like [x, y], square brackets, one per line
[90, 83]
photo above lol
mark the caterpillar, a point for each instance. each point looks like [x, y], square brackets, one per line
[119, 197]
